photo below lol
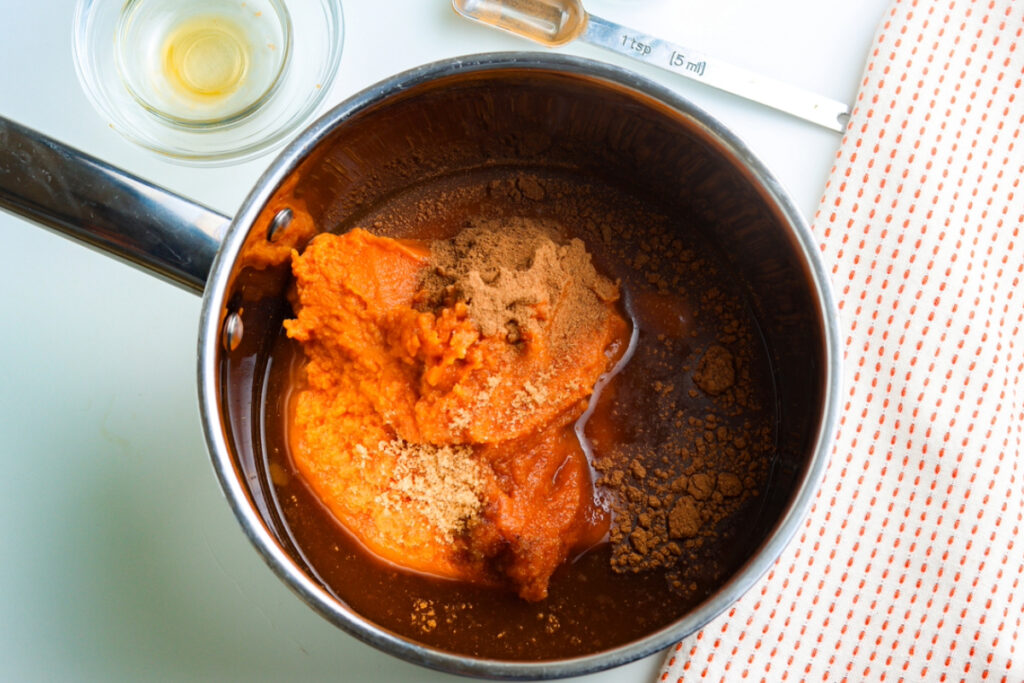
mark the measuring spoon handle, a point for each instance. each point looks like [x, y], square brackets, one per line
[700, 67]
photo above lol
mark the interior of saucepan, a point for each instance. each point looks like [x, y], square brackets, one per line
[435, 134]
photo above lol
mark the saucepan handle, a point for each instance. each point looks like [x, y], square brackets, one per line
[103, 207]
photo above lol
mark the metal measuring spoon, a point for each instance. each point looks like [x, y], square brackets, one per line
[557, 22]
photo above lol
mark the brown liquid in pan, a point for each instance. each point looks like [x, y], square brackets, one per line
[674, 432]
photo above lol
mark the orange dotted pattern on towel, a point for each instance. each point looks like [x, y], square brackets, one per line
[910, 565]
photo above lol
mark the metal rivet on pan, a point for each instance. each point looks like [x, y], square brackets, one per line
[232, 331]
[279, 223]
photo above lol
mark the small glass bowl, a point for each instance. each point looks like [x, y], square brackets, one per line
[207, 81]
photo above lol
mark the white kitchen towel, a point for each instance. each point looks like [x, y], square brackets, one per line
[910, 565]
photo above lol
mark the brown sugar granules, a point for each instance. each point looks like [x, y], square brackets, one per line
[444, 482]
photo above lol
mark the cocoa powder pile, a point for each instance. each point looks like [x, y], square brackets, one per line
[678, 486]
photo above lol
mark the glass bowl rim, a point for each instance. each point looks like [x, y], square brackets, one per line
[96, 90]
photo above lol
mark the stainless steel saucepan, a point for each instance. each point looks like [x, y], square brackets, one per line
[442, 118]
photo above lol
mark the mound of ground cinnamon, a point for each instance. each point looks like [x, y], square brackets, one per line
[441, 388]
[515, 275]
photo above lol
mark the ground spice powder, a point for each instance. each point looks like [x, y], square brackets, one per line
[512, 273]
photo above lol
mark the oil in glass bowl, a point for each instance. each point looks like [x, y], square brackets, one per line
[207, 82]
[202, 64]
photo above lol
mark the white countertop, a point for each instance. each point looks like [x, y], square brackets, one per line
[120, 558]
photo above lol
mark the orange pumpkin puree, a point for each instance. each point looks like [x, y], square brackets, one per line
[443, 450]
